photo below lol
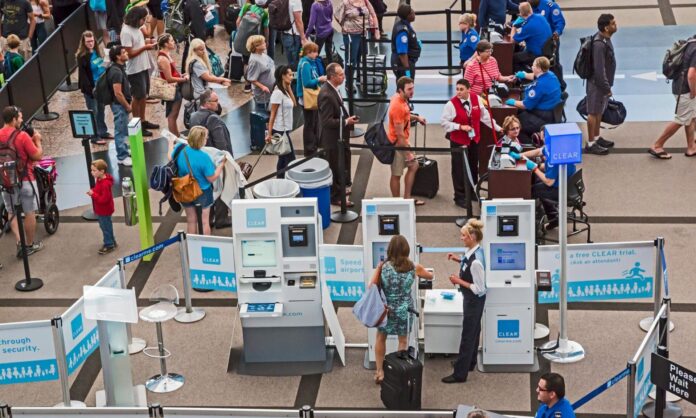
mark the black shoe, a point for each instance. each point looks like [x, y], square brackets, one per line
[604, 143]
[147, 133]
[150, 125]
[553, 224]
[596, 149]
[452, 379]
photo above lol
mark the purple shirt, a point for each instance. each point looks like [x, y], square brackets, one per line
[320, 17]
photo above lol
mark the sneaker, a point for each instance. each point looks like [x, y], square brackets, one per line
[127, 162]
[247, 88]
[105, 250]
[596, 149]
[604, 143]
[34, 247]
[150, 125]
[147, 133]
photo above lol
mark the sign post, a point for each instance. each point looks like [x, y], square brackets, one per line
[140, 180]
[83, 126]
[667, 376]
[563, 147]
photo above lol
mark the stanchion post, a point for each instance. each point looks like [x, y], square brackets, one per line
[199, 225]
[467, 188]
[187, 314]
[29, 283]
[88, 214]
[59, 345]
[657, 285]
[67, 85]
[5, 410]
[448, 24]
[631, 390]
[135, 345]
[363, 57]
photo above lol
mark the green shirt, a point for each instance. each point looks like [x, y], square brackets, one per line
[258, 10]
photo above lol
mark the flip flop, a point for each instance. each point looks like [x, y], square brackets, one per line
[690, 155]
[419, 202]
[662, 155]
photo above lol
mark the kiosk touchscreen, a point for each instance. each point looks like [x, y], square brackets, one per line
[508, 256]
[258, 253]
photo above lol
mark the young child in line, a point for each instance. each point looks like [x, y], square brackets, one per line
[103, 203]
[13, 59]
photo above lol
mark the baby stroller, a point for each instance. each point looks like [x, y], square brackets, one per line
[45, 173]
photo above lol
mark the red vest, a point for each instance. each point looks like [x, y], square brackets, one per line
[460, 137]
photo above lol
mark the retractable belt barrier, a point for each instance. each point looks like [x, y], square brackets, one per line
[147, 251]
[601, 388]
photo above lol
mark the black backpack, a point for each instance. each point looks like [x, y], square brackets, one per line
[162, 175]
[583, 60]
[673, 61]
[102, 90]
[279, 15]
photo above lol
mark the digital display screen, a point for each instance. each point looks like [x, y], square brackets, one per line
[258, 253]
[508, 257]
[508, 228]
[297, 238]
[388, 224]
[379, 253]
[260, 307]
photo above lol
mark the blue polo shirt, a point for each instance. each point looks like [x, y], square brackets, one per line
[402, 40]
[562, 406]
[553, 15]
[544, 93]
[201, 165]
[467, 46]
[534, 32]
[552, 173]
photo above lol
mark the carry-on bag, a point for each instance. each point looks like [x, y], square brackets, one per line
[403, 380]
[427, 181]
[259, 123]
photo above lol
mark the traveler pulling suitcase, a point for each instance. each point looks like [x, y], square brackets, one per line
[403, 379]
[427, 181]
[259, 123]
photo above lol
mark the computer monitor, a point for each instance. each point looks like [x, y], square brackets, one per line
[508, 256]
[258, 253]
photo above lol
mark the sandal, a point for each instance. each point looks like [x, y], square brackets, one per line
[662, 155]
[419, 202]
[690, 155]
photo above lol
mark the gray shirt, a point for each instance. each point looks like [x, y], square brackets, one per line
[261, 68]
[218, 134]
[603, 62]
[199, 85]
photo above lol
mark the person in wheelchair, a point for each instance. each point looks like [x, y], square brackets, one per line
[545, 183]
[540, 99]
[534, 31]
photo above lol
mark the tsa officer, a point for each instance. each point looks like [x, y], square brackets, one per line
[553, 14]
[540, 98]
[551, 393]
[470, 38]
[406, 47]
[472, 284]
[534, 31]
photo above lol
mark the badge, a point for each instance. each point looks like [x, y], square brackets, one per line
[404, 39]
[556, 12]
[473, 38]
[531, 93]
[543, 12]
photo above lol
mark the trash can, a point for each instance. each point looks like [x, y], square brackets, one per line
[314, 178]
[130, 203]
[276, 188]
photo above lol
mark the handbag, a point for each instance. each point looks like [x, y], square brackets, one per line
[280, 143]
[162, 90]
[380, 145]
[310, 98]
[247, 168]
[186, 189]
[372, 309]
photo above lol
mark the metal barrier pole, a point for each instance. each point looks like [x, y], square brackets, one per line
[451, 70]
[47, 115]
[363, 57]
[67, 85]
[135, 345]
[344, 215]
[5, 410]
[631, 390]
[187, 314]
[59, 345]
[460, 222]
[306, 412]
[657, 286]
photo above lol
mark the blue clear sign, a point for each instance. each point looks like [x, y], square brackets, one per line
[256, 218]
[210, 255]
[563, 143]
[330, 265]
[76, 326]
[508, 328]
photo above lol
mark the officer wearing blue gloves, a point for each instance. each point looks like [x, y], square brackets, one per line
[491, 13]
[540, 99]
[551, 11]
[534, 31]
[406, 47]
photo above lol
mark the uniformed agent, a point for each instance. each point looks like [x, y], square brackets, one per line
[540, 98]
[551, 393]
[470, 38]
[406, 47]
[534, 31]
[553, 14]
[472, 283]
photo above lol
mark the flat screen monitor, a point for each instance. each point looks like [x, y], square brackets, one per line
[258, 253]
[508, 256]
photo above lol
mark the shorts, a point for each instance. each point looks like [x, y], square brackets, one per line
[205, 200]
[399, 163]
[596, 100]
[100, 20]
[26, 196]
[139, 84]
[168, 106]
[155, 9]
[686, 109]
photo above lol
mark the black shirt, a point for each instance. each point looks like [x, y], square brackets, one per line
[680, 85]
[116, 74]
[15, 17]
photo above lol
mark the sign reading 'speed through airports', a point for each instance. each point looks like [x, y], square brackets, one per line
[673, 378]
[342, 271]
[211, 262]
[601, 272]
[27, 353]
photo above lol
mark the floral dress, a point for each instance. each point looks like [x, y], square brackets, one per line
[397, 289]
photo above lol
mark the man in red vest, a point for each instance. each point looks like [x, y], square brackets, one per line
[461, 119]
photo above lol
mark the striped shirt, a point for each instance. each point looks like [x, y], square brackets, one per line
[480, 78]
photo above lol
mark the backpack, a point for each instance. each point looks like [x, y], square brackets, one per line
[673, 61]
[582, 66]
[279, 15]
[248, 26]
[162, 175]
[8, 68]
[230, 18]
[175, 23]
[97, 5]
[215, 63]
[8, 153]
[187, 86]
[102, 90]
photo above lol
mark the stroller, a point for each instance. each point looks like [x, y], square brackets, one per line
[45, 173]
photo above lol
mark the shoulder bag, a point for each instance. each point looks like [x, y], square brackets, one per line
[280, 142]
[310, 97]
[372, 309]
[161, 89]
[186, 189]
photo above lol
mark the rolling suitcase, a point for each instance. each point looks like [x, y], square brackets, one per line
[427, 181]
[403, 380]
[375, 80]
[259, 123]
[235, 64]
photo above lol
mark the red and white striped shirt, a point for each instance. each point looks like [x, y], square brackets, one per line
[479, 75]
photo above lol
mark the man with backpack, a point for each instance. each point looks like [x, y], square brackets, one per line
[17, 146]
[252, 20]
[683, 77]
[119, 88]
[286, 16]
[599, 83]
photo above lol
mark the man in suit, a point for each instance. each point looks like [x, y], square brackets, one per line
[333, 116]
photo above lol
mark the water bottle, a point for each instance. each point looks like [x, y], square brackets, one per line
[130, 203]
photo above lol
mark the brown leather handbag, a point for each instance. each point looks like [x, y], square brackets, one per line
[186, 189]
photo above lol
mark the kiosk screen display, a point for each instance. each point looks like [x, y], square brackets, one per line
[258, 253]
[379, 253]
[261, 307]
[508, 257]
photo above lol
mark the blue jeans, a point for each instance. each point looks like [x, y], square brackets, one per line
[107, 228]
[292, 45]
[98, 110]
[40, 35]
[284, 160]
[120, 131]
[352, 43]
[272, 36]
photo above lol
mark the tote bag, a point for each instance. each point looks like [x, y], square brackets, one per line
[371, 310]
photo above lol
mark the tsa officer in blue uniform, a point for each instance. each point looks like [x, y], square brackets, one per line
[472, 284]
[553, 14]
[534, 31]
[540, 99]
[551, 393]
[406, 47]
[470, 38]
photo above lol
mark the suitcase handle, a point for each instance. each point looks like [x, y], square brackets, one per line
[425, 134]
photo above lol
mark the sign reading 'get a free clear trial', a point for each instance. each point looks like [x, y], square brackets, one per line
[673, 378]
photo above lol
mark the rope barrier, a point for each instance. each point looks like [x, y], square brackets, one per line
[601, 388]
[147, 251]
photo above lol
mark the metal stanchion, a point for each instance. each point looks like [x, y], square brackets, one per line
[199, 221]
[29, 283]
[88, 214]
[5, 410]
[451, 71]
[356, 132]
[188, 314]
[46, 115]
[67, 85]
[467, 189]
[657, 288]
[59, 345]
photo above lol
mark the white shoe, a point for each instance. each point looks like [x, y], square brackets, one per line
[128, 162]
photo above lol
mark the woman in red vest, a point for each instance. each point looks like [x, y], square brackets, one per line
[461, 119]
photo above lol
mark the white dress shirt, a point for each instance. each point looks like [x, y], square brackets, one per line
[449, 113]
[478, 287]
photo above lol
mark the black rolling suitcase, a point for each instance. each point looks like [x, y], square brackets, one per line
[403, 380]
[376, 80]
[427, 181]
[259, 123]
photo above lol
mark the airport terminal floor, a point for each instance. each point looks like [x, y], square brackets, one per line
[631, 198]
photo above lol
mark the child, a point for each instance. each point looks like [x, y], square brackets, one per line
[103, 203]
[13, 59]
